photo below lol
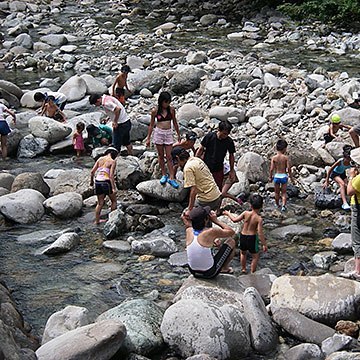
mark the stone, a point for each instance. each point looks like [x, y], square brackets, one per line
[148, 223]
[348, 328]
[23, 206]
[93, 85]
[172, 54]
[100, 340]
[342, 243]
[189, 112]
[24, 40]
[27, 99]
[56, 40]
[65, 206]
[166, 27]
[178, 259]
[150, 79]
[257, 122]
[185, 80]
[128, 172]
[29, 180]
[305, 352]
[225, 112]
[324, 298]
[300, 326]
[67, 319]
[195, 58]
[224, 332]
[49, 129]
[253, 166]
[115, 225]
[75, 88]
[117, 245]
[343, 355]
[324, 260]
[153, 189]
[208, 19]
[161, 246]
[326, 199]
[263, 333]
[63, 244]
[142, 319]
[30, 146]
[337, 342]
[11, 88]
[6, 180]
[271, 81]
[289, 231]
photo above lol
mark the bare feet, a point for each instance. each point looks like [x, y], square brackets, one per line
[228, 270]
[99, 222]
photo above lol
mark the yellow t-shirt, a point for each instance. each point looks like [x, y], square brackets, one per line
[355, 182]
[196, 173]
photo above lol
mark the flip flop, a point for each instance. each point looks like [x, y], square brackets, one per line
[230, 270]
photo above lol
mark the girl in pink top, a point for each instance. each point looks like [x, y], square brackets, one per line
[78, 140]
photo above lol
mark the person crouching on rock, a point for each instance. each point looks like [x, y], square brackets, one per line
[337, 172]
[200, 240]
[104, 171]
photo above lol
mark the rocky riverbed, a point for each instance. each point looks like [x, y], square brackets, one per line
[268, 76]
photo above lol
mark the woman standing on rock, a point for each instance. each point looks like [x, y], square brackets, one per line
[4, 129]
[164, 114]
[103, 171]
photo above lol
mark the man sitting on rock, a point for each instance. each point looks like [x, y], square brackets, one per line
[197, 177]
[200, 240]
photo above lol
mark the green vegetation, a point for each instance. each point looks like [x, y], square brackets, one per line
[341, 13]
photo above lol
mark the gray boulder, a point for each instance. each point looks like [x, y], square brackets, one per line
[189, 112]
[343, 355]
[30, 146]
[24, 206]
[149, 79]
[115, 225]
[24, 40]
[11, 88]
[263, 333]
[337, 342]
[224, 332]
[13, 141]
[67, 319]
[93, 85]
[55, 40]
[254, 166]
[128, 172]
[65, 206]
[98, 341]
[6, 180]
[326, 199]
[324, 259]
[301, 327]
[74, 88]
[63, 244]
[225, 112]
[142, 319]
[49, 129]
[161, 246]
[185, 80]
[289, 231]
[148, 223]
[305, 352]
[29, 180]
[27, 99]
[153, 188]
[342, 243]
[324, 298]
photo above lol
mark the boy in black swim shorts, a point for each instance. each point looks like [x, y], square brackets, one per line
[251, 232]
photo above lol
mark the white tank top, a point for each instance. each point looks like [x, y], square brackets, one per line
[199, 257]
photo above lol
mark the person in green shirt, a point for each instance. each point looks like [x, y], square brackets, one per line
[100, 135]
[353, 190]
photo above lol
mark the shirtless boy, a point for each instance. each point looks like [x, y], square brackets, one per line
[51, 110]
[120, 84]
[251, 232]
[281, 167]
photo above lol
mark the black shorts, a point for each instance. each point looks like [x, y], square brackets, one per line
[328, 138]
[219, 259]
[334, 174]
[249, 243]
[103, 187]
[121, 135]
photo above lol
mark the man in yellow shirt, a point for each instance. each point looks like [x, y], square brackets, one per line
[197, 177]
[353, 190]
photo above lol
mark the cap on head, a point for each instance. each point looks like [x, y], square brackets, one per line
[198, 216]
[110, 150]
[335, 119]
[355, 155]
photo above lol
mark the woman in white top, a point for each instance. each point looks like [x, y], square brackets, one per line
[5, 129]
[200, 240]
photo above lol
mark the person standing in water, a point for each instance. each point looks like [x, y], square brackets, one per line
[104, 171]
[5, 129]
[161, 118]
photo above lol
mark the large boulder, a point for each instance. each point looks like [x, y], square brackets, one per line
[13, 141]
[31, 146]
[325, 199]
[301, 327]
[128, 172]
[186, 79]
[305, 351]
[149, 79]
[153, 189]
[49, 129]
[29, 180]
[63, 244]
[55, 40]
[24, 206]
[65, 206]
[158, 246]
[93, 85]
[227, 112]
[67, 319]
[224, 334]
[6, 180]
[290, 231]
[27, 99]
[74, 88]
[11, 88]
[98, 341]
[189, 112]
[142, 319]
[254, 166]
[115, 225]
[324, 298]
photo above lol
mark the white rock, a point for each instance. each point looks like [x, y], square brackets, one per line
[63, 244]
[257, 122]
[188, 112]
[65, 206]
[93, 85]
[271, 81]
[253, 166]
[157, 246]
[74, 88]
[225, 112]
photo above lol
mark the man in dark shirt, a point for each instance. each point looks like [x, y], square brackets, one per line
[213, 149]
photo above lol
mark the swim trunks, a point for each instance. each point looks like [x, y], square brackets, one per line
[249, 243]
[103, 187]
[280, 178]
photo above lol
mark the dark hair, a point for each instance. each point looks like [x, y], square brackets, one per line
[256, 201]
[183, 155]
[94, 98]
[164, 96]
[80, 125]
[346, 150]
[191, 136]
[281, 145]
[119, 92]
[125, 69]
[38, 96]
[225, 126]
